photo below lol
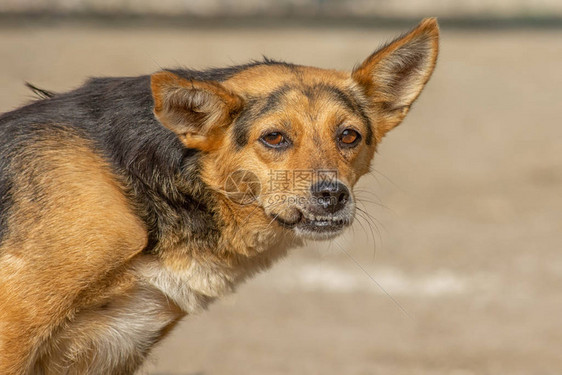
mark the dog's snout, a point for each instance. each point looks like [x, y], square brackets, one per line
[331, 197]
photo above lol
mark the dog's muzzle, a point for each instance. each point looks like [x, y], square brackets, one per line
[328, 211]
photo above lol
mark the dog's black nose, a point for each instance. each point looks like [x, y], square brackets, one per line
[330, 196]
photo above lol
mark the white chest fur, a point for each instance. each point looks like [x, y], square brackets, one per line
[195, 286]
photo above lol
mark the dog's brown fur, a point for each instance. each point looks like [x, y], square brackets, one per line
[88, 285]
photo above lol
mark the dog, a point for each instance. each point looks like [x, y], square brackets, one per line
[129, 203]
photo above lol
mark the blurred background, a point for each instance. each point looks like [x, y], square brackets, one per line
[457, 266]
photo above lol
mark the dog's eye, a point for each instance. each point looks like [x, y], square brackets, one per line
[274, 139]
[349, 138]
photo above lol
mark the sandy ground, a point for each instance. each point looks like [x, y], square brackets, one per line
[459, 271]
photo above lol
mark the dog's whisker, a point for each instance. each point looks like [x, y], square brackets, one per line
[374, 170]
[396, 303]
[272, 220]
[373, 219]
[376, 203]
[375, 223]
[361, 217]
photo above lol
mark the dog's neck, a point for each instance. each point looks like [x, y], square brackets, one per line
[202, 243]
[193, 274]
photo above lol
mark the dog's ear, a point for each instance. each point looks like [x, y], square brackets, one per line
[393, 76]
[197, 111]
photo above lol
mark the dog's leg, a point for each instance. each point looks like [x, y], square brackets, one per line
[70, 229]
[113, 338]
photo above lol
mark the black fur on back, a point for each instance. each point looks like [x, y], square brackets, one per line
[115, 114]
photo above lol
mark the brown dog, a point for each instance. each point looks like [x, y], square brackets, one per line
[130, 202]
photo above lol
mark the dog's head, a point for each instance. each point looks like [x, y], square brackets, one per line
[289, 141]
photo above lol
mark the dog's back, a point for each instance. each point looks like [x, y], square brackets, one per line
[60, 197]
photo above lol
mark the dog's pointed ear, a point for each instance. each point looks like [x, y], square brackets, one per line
[393, 76]
[197, 111]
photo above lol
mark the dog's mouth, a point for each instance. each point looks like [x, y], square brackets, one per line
[312, 226]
